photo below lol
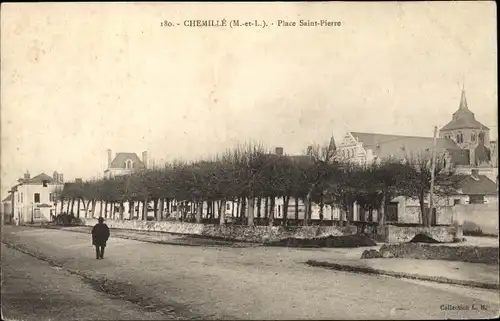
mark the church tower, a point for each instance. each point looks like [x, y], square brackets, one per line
[465, 130]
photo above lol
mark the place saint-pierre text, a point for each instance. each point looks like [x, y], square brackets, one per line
[225, 23]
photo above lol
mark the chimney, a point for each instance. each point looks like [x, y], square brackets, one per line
[109, 158]
[145, 159]
[279, 150]
[55, 176]
[27, 175]
[475, 174]
[61, 178]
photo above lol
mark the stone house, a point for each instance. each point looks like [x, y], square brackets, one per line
[125, 163]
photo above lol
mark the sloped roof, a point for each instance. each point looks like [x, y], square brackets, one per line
[385, 146]
[38, 179]
[121, 158]
[8, 198]
[480, 186]
[463, 118]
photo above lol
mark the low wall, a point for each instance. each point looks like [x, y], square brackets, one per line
[260, 234]
[401, 234]
[483, 215]
[487, 255]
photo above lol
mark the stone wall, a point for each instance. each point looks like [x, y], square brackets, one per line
[484, 215]
[230, 232]
[400, 234]
[487, 255]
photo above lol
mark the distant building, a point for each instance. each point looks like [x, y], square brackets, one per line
[33, 199]
[124, 164]
[464, 144]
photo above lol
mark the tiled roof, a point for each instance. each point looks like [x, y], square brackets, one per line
[384, 146]
[463, 118]
[121, 158]
[480, 186]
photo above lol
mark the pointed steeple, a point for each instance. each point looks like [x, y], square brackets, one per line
[463, 101]
[332, 146]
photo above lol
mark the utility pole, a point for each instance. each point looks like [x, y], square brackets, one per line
[433, 167]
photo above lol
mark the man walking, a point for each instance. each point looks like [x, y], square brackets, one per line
[100, 235]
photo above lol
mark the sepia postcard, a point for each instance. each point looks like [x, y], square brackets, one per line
[249, 160]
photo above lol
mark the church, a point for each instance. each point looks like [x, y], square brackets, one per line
[464, 143]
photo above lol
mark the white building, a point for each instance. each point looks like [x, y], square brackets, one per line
[33, 199]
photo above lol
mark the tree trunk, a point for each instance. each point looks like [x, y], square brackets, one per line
[100, 211]
[162, 208]
[122, 209]
[306, 209]
[222, 216]
[259, 207]
[271, 211]
[78, 209]
[423, 216]
[238, 202]
[106, 209]
[296, 208]
[87, 208]
[321, 208]
[73, 206]
[167, 212]
[243, 209]
[221, 210]
[251, 209]
[145, 210]
[198, 211]
[266, 208]
[94, 202]
[62, 206]
[381, 216]
[286, 201]
[155, 209]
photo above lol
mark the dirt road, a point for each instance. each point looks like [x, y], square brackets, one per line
[240, 283]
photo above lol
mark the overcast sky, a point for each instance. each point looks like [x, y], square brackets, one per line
[78, 79]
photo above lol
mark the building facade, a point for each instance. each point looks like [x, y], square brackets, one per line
[124, 164]
[33, 200]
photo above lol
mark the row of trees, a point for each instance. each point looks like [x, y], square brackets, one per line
[252, 175]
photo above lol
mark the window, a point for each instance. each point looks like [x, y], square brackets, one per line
[476, 199]
[460, 137]
[45, 183]
[456, 202]
[392, 212]
[21, 197]
[279, 210]
[228, 207]
[473, 137]
[51, 197]
[36, 213]
[37, 197]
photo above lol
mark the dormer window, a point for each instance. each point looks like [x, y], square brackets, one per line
[129, 164]
[473, 137]
[45, 183]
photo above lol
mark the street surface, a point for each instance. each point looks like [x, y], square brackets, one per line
[142, 280]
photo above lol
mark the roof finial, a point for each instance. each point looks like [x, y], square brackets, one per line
[463, 100]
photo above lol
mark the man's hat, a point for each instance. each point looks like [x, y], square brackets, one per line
[100, 219]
